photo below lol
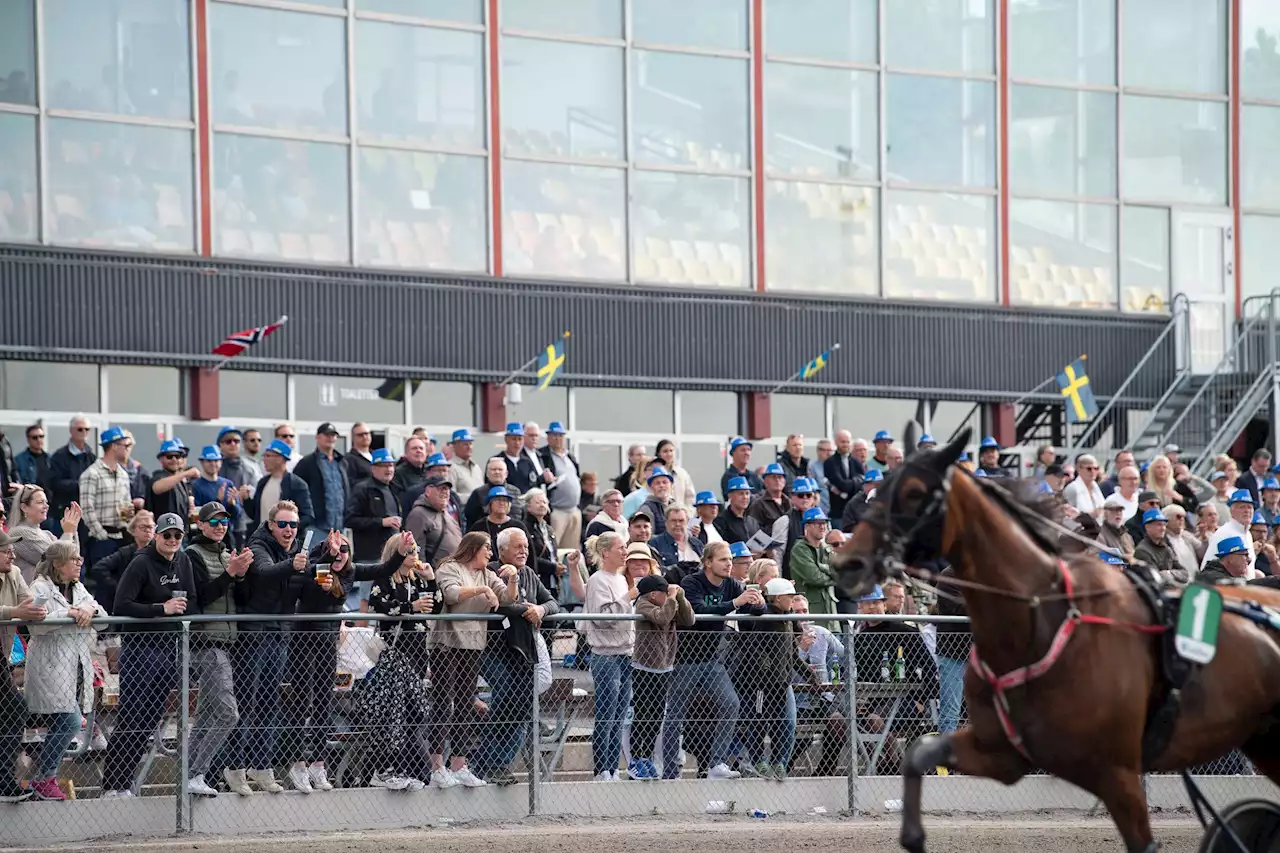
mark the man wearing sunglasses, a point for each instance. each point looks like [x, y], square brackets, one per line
[159, 581]
[65, 467]
[171, 485]
[244, 476]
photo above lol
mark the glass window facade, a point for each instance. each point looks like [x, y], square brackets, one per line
[51, 387]
[143, 390]
[628, 136]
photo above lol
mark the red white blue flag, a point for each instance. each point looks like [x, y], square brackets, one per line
[237, 342]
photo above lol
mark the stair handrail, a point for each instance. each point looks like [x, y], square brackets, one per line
[1230, 423]
[1181, 305]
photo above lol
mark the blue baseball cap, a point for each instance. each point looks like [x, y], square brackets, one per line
[1271, 483]
[774, 468]
[382, 456]
[738, 484]
[1240, 496]
[1232, 545]
[280, 448]
[1142, 469]
[980, 473]
[555, 428]
[435, 460]
[813, 514]
[463, 434]
[989, 443]
[883, 435]
[739, 549]
[1153, 514]
[496, 492]
[1044, 488]
[110, 435]
[876, 594]
[739, 441]
[1259, 518]
[211, 453]
[514, 428]
[803, 486]
[659, 471]
[926, 439]
[873, 476]
[229, 430]
[706, 499]
[171, 446]
[963, 457]
[1112, 559]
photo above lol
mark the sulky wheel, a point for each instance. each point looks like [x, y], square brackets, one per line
[1255, 822]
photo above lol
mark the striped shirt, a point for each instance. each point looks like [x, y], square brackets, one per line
[104, 491]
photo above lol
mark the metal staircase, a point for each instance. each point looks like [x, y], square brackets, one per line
[1253, 400]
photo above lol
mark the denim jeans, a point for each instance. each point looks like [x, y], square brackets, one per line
[148, 671]
[510, 680]
[611, 675]
[62, 728]
[258, 665]
[711, 680]
[950, 693]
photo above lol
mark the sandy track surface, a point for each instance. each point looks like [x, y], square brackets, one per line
[656, 835]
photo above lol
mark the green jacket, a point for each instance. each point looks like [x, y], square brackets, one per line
[813, 576]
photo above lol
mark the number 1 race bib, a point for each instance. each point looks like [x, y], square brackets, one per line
[1199, 615]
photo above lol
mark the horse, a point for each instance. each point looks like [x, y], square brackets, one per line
[1066, 671]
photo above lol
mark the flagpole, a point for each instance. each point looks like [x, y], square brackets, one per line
[284, 318]
[800, 372]
[522, 368]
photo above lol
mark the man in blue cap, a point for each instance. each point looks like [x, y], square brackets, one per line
[564, 487]
[1240, 506]
[734, 523]
[771, 504]
[879, 460]
[707, 506]
[659, 484]
[374, 515]
[810, 564]
[856, 508]
[211, 487]
[520, 472]
[465, 474]
[739, 467]
[1155, 549]
[989, 457]
[790, 528]
[171, 485]
[1229, 560]
[497, 504]
[280, 484]
[926, 442]
[105, 497]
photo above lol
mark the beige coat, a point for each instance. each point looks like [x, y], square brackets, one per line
[59, 675]
[13, 591]
[451, 578]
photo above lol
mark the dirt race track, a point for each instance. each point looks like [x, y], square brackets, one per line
[1047, 834]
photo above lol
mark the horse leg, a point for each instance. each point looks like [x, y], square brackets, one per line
[959, 751]
[1121, 792]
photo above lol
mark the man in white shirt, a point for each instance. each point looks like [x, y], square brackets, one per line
[1241, 505]
[1127, 483]
[1083, 493]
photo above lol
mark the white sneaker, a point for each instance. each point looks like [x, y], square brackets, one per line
[604, 776]
[236, 782]
[414, 784]
[616, 776]
[265, 779]
[722, 771]
[196, 785]
[389, 780]
[98, 742]
[319, 777]
[468, 779]
[117, 795]
[443, 778]
[300, 778]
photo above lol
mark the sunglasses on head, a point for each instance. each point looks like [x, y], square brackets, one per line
[283, 524]
[172, 535]
[218, 522]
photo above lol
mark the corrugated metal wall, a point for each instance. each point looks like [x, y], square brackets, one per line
[142, 309]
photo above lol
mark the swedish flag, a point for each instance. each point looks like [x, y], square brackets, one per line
[817, 364]
[549, 363]
[1073, 382]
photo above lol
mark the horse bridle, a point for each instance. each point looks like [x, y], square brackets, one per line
[902, 529]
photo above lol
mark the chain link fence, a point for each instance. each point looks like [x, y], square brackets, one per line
[365, 721]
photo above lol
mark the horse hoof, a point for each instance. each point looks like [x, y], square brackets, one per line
[912, 841]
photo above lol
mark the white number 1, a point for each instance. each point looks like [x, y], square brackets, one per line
[1200, 604]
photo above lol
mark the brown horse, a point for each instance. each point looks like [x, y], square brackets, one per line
[1076, 646]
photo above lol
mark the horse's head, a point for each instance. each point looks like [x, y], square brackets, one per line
[903, 524]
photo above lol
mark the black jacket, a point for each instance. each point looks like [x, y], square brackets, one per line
[1212, 573]
[854, 510]
[701, 643]
[309, 597]
[309, 471]
[1252, 482]
[474, 510]
[175, 500]
[105, 575]
[764, 654]
[358, 468]
[149, 580]
[484, 525]
[371, 502]
[292, 488]
[664, 545]
[734, 529]
[64, 478]
[752, 478]
[521, 473]
[407, 478]
[266, 588]
[842, 488]
[793, 469]
[542, 551]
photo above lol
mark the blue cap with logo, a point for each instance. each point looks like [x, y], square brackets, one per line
[657, 472]
[876, 594]
[873, 476]
[382, 456]
[980, 473]
[883, 435]
[497, 493]
[172, 447]
[1271, 483]
[210, 453]
[738, 484]
[110, 435]
[774, 468]
[1112, 559]
[926, 440]
[436, 460]
[1240, 496]
[463, 434]
[814, 514]
[1259, 518]
[1232, 545]
[280, 448]
[556, 428]
[989, 443]
[803, 486]
[739, 441]
[963, 457]
[226, 431]
[1153, 514]
[514, 428]
[739, 549]
[706, 499]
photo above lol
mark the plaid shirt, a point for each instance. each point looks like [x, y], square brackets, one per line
[104, 491]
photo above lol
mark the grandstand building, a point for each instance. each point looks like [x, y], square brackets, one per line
[965, 194]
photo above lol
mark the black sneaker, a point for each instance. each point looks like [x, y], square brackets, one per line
[14, 793]
[501, 778]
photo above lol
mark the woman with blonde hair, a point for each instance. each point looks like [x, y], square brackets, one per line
[1159, 479]
[27, 513]
[59, 669]
[761, 571]
[467, 585]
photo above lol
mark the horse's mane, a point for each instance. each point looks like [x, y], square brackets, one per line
[1029, 506]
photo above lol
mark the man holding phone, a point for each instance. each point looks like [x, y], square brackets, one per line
[15, 603]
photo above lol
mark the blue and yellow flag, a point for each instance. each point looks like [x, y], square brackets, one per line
[1073, 382]
[817, 364]
[550, 362]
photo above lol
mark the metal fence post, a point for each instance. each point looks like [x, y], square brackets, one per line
[183, 796]
[535, 748]
[851, 713]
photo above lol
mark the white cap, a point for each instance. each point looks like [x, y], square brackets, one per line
[779, 586]
[1114, 502]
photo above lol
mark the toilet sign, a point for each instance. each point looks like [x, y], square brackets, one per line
[1199, 616]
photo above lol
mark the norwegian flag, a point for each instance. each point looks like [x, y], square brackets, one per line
[237, 342]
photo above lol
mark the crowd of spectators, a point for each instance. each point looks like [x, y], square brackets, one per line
[525, 534]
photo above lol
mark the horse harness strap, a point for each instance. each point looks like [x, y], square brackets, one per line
[1023, 675]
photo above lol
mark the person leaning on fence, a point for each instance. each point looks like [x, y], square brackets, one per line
[664, 610]
[59, 672]
[612, 643]
[467, 585]
[159, 581]
[16, 603]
